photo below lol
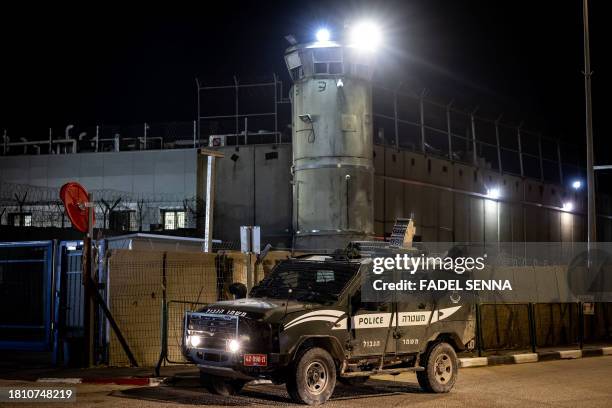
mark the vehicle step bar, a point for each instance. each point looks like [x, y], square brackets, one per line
[391, 371]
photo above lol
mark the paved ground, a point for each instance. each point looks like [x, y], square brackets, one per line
[566, 383]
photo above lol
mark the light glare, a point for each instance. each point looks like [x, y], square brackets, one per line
[195, 341]
[568, 206]
[234, 345]
[366, 36]
[323, 35]
[576, 184]
[493, 193]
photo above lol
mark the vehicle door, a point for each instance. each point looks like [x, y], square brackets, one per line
[371, 326]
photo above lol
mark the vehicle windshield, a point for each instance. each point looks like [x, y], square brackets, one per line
[309, 281]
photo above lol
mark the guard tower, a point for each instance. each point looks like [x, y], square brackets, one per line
[333, 169]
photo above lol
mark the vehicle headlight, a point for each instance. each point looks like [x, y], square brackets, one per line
[194, 340]
[233, 345]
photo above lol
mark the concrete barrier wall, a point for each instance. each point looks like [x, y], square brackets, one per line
[254, 188]
[437, 193]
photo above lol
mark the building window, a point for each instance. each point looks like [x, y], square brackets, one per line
[173, 219]
[20, 219]
[122, 220]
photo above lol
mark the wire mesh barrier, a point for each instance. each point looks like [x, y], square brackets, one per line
[522, 326]
[135, 300]
[175, 317]
[504, 327]
[141, 283]
[557, 324]
[230, 267]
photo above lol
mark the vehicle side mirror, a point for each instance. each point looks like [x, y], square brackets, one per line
[239, 290]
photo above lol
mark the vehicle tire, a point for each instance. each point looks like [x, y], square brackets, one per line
[314, 377]
[353, 381]
[441, 368]
[220, 385]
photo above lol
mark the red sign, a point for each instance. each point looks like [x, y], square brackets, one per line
[76, 201]
[256, 360]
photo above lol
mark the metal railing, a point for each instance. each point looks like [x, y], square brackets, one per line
[259, 112]
[523, 326]
[412, 121]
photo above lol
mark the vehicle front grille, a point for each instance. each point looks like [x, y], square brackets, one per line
[215, 330]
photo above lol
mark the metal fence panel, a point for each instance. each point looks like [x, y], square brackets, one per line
[175, 320]
[557, 324]
[26, 270]
[504, 326]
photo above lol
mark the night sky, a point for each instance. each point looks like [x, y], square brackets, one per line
[120, 66]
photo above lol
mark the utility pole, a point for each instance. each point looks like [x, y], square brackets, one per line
[88, 288]
[592, 220]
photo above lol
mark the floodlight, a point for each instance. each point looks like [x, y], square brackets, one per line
[323, 35]
[306, 118]
[576, 184]
[366, 36]
[568, 206]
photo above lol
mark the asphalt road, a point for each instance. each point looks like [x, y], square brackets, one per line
[584, 382]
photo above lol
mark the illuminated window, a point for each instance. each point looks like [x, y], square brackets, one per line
[20, 219]
[173, 219]
[122, 220]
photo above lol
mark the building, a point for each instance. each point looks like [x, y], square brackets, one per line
[504, 184]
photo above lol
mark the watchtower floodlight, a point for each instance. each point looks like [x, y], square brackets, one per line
[323, 35]
[365, 35]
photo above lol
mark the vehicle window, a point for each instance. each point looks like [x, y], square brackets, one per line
[325, 275]
[310, 281]
[358, 305]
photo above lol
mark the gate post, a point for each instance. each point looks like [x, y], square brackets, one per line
[478, 329]
[532, 327]
[163, 354]
[581, 322]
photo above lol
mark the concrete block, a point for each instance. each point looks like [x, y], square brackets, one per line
[570, 354]
[473, 362]
[525, 358]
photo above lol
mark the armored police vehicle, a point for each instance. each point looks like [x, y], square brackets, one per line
[307, 326]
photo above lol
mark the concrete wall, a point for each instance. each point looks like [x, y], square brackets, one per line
[437, 193]
[152, 179]
[253, 190]
[256, 190]
[170, 172]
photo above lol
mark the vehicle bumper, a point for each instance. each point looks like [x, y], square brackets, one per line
[230, 365]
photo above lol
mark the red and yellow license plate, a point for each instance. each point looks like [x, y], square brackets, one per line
[256, 360]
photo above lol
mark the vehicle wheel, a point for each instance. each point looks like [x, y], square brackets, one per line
[440, 374]
[353, 381]
[221, 386]
[314, 379]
